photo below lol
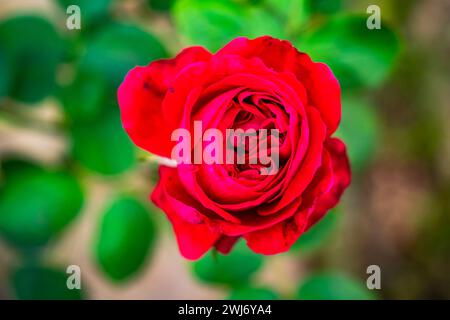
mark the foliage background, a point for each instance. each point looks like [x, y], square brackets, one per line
[73, 189]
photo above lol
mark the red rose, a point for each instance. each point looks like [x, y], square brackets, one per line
[257, 83]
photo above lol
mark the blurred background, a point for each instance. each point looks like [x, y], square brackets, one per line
[73, 189]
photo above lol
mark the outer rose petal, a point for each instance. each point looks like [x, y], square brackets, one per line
[140, 97]
[277, 54]
[278, 238]
[323, 87]
[326, 96]
[341, 180]
[194, 239]
[225, 244]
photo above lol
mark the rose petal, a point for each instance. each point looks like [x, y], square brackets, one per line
[341, 180]
[322, 86]
[278, 238]
[225, 244]
[194, 239]
[140, 99]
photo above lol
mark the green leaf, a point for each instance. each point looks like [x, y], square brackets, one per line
[358, 56]
[318, 234]
[293, 13]
[36, 205]
[91, 11]
[224, 20]
[126, 235]
[234, 269]
[332, 286]
[34, 49]
[5, 74]
[359, 130]
[13, 169]
[161, 5]
[253, 293]
[118, 48]
[260, 22]
[102, 145]
[42, 283]
[208, 23]
[324, 6]
[84, 98]
[296, 14]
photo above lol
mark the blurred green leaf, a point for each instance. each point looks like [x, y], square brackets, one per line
[5, 74]
[253, 293]
[34, 49]
[358, 56]
[293, 13]
[359, 130]
[126, 235]
[234, 268]
[13, 169]
[36, 205]
[117, 48]
[42, 283]
[91, 11]
[333, 286]
[224, 20]
[161, 5]
[208, 23]
[84, 98]
[285, 7]
[324, 6]
[102, 145]
[260, 22]
[318, 234]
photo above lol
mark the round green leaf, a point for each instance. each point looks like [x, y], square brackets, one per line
[234, 268]
[125, 238]
[42, 283]
[84, 98]
[331, 286]
[252, 293]
[359, 129]
[102, 145]
[118, 48]
[318, 234]
[34, 49]
[358, 56]
[91, 11]
[36, 205]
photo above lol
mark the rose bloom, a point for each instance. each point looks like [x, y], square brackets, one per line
[260, 83]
